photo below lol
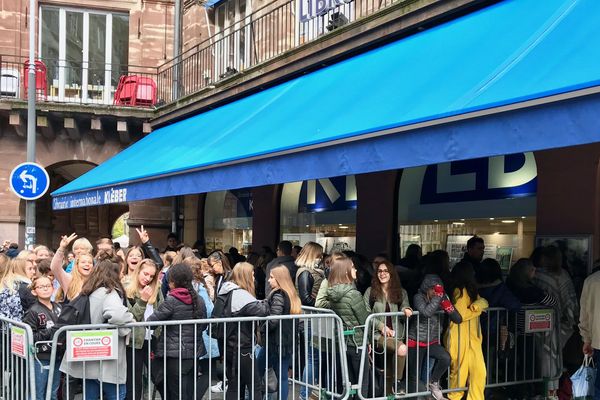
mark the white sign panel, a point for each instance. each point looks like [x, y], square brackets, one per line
[92, 345]
[18, 342]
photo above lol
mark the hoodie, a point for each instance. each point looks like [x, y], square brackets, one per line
[426, 328]
[243, 304]
[347, 302]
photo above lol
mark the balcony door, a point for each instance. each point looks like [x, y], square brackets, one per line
[85, 53]
[232, 45]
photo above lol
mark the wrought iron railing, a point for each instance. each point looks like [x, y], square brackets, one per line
[267, 33]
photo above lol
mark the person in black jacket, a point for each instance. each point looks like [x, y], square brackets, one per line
[181, 344]
[284, 257]
[240, 370]
[42, 316]
[283, 300]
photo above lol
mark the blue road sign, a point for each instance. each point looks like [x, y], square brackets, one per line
[29, 181]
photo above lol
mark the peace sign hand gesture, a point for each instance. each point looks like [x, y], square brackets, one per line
[143, 234]
[66, 240]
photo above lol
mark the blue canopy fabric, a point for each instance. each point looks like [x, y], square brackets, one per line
[322, 124]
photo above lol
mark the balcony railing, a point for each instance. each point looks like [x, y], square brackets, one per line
[64, 81]
[263, 35]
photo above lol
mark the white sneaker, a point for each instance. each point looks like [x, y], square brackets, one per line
[218, 388]
[436, 391]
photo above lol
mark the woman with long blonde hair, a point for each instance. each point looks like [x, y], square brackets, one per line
[240, 370]
[142, 290]
[19, 280]
[282, 300]
[70, 283]
[10, 302]
[309, 277]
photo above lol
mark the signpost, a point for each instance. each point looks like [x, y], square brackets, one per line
[92, 345]
[29, 181]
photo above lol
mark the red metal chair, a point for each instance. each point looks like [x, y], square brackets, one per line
[41, 88]
[134, 90]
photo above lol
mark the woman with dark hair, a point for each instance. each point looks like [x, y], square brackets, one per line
[438, 263]
[181, 344]
[220, 269]
[386, 295]
[523, 283]
[463, 340]
[106, 296]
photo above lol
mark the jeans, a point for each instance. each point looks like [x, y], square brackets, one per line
[111, 391]
[41, 379]
[442, 362]
[311, 370]
[279, 364]
[596, 358]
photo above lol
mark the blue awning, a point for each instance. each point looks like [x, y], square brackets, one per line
[378, 110]
[212, 3]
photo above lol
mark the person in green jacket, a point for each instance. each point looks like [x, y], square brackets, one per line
[347, 302]
[386, 295]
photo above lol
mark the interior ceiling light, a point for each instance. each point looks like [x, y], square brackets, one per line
[508, 221]
[458, 223]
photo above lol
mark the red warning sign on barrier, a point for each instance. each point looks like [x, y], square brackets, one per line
[92, 345]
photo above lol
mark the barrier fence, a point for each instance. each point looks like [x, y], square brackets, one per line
[312, 355]
[16, 360]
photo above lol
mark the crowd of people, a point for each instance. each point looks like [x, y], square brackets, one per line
[182, 283]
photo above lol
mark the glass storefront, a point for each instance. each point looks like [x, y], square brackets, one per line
[442, 206]
[322, 211]
[228, 220]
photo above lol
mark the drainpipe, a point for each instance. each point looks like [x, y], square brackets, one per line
[176, 49]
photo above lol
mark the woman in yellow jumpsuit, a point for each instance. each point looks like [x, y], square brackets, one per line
[463, 341]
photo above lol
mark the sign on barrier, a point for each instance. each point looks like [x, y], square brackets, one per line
[18, 342]
[538, 320]
[92, 345]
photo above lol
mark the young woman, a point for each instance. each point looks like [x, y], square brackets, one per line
[308, 279]
[143, 296]
[282, 300]
[347, 302]
[220, 269]
[239, 338]
[424, 336]
[468, 363]
[20, 279]
[521, 282]
[106, 295]
[386, 295]
[135, 254]
[181, 344]
[41, 316]
[70, 283]
[30, 262]
[10, 302]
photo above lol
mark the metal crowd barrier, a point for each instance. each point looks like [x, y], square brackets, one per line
[240, 365]
[16, 360]
[518, 348]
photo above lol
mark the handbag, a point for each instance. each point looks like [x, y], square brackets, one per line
[583, 380]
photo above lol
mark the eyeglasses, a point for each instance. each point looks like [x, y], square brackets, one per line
[43, 287]
[383, 271]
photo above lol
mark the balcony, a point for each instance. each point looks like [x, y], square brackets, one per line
[274, 31]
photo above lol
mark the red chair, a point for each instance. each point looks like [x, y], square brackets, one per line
[134, 90]
[41, 89]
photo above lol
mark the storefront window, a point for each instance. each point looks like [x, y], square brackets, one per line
[228, 220]
[441, 206]
[322, 211]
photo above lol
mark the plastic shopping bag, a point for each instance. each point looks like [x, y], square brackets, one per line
[583, 380]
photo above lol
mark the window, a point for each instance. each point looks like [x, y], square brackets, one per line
[85, 52]
[228, 220]
[322, 211]
[232, 49]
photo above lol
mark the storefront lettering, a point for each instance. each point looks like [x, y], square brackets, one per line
[310, 9]
[115, 196]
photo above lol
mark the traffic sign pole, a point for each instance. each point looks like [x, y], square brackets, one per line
[31, 125]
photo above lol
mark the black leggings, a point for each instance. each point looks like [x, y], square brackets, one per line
[247, 374]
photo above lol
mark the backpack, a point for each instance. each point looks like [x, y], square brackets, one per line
[75, 312]
[222, 309]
